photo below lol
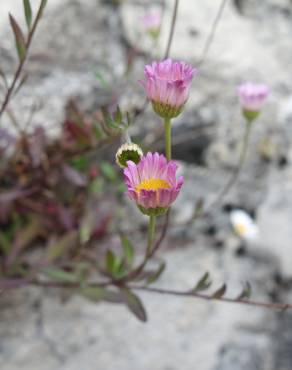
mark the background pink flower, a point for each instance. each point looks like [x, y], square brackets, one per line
[252, 96]
[167, 85]
[152, 183]
[151, 20]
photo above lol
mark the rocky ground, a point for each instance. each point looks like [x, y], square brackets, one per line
[78, 38]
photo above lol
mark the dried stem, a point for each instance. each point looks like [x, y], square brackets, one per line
[207, 297]
[172, 27]
[19, 69]
[211, 35]
[8, 284]
[236, 172]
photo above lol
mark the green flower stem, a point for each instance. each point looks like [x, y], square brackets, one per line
[244, 145]
[127, 137]
[167, 125]
[151, 234]
[238, 169]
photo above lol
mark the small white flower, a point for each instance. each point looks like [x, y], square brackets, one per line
[243, 225]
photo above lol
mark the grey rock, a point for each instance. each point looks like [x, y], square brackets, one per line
[76, 39]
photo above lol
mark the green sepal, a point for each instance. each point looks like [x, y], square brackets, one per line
[166, 110]
[250, 115]
[159, 211]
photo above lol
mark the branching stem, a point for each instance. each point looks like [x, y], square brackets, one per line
[19, 69]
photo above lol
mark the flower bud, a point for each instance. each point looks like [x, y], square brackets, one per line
[167, 85]
[128, 152]
[252, 98]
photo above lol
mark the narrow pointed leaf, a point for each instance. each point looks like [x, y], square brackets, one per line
[19, 38]
[27, 12]
[156, 275]
[128, 250]
[134, 304]
[198, 208]
[101, 79]
[5, 243]
[60, 275]
[246, 292]
[203, 284]
[220, 292]
[118, 117]
[114, 264]
[96, 294]
[108, 171]
[21, 83]
[24, 238]
[3, 77]
[58, 247]
[43, 5]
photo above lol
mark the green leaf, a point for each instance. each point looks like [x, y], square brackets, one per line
[203, 284]
[27, 12]
[82, 270]
[80, 163]
[110, 261]
[108, 171]
[24, 237]
[58, 247]
[114, 265]
[96, 294]
[19, 38]
[60, 275]
[43, 5]
[109, 121]
[129, 251]
[87, 226]
[5, 243]
[96, 186]
[118, 117]
[156, 274]
[97, 131]
[102, 80]
[220, 292]
[246, 292]
[134, 304]
[199, 208]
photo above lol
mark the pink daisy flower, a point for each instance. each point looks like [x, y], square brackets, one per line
[152, 183]
[167, 85]
[252, 97]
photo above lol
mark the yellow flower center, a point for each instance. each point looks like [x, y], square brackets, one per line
[240, 228]
[152, 184]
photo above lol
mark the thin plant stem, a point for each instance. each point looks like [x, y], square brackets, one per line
[150, 251]
[172, 27]
[211, 35]
[207, 297]
[236, 173]
[127, 137]
[18, 71]
[8, 284]
[151, 234]
[167, 127]
[166, 54]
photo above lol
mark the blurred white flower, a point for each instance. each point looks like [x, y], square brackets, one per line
[243, 225]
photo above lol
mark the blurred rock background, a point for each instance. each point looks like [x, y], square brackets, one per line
[76, 40]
